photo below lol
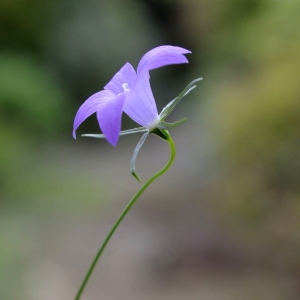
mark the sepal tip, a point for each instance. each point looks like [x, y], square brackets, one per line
[135, 176]
[135, 153]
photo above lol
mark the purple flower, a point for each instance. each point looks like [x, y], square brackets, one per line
[129, 91]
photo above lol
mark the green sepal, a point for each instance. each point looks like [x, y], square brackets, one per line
[135, 153]
[160, 132]
[124, 132]
[168, 109]
[165, 125]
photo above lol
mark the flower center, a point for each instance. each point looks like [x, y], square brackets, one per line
[125, 87]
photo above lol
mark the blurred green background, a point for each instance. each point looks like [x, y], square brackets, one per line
[224, 223]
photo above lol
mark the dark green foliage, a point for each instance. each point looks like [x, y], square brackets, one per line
[29, 97]
[254, 116]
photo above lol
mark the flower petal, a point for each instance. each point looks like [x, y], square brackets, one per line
[162, 56]
[90, 106]
[109, 116]
[140, 105]
[126, 74]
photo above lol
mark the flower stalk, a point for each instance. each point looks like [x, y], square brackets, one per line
[164, 134]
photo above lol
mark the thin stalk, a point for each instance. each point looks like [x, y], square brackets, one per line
[126, 209]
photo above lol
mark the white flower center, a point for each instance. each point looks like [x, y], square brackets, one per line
[125, 87]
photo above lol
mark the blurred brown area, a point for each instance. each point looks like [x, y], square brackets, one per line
[223, 223]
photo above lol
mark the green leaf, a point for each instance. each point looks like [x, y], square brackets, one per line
[165, 125]
[124, 132]
[167, 109]
[135, 153]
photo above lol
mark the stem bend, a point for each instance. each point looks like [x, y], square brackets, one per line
[127, 208]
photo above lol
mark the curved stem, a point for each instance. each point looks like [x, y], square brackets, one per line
[127, 208]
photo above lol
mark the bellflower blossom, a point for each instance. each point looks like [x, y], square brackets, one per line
[129, 91]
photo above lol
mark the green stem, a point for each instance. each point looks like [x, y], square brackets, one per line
[127, 208]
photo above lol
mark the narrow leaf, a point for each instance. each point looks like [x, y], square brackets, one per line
[135, 153]
[125, 132]
[167, 109]
[165, 125]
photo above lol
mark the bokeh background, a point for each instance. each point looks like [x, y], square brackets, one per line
[223, 223]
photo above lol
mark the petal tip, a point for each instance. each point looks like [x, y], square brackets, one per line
[74, 134]
[113, 142]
